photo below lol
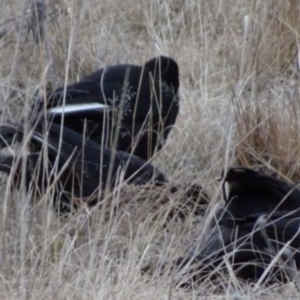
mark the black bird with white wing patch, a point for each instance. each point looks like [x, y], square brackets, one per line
[122, 107]
[256, 233]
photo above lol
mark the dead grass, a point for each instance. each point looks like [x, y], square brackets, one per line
[239, 68]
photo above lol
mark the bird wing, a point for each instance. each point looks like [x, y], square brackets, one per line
[251, 192]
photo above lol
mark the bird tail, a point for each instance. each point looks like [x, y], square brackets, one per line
[8, 133]
[6, 163]
[66, 146]
[35, 136]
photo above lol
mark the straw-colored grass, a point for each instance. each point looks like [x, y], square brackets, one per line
[239, 69]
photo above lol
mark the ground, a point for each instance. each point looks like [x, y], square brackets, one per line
[239, 71]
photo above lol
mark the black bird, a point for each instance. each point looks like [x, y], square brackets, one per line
[251, 192]
[76, 168]
[122, 107]
[250, 245]
[261, 217]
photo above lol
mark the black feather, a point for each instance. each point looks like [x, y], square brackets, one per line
[142, 106]
[84, 166]
[261, 217]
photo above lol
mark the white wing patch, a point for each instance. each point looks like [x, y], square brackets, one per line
[73, 108]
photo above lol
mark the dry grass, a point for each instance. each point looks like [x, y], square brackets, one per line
[239, 68]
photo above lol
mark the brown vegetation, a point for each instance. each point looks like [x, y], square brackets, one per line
[239, 67]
